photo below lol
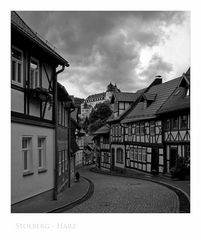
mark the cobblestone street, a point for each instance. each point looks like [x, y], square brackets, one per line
[114, 194]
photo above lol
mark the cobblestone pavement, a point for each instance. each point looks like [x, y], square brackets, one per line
[114, 194]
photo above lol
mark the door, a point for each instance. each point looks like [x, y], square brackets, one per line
[173, 156]
[154, 160]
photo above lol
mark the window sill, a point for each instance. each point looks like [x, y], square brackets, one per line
[28, 173]
[42, 170]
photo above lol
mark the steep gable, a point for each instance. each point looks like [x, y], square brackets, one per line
[159, 94]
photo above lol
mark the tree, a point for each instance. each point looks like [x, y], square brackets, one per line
[85, 124]
[98, 116]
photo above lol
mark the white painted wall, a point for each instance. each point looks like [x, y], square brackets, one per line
[23, 187]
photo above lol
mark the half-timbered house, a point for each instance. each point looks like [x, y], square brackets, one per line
[33, 111]
[143, 128]
[175, 116]
[102, 147]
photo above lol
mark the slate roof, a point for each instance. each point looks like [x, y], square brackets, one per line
[62, 93]
[178, 100]
[23, 28]
[162, 92]
[103, 130]
[125, 96]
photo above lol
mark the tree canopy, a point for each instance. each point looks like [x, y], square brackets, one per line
[98, 116]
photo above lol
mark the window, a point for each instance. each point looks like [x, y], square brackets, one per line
[135, 154]
[144, 155]
[142, 129]
[184, 122]
[137, 128]
[105, 139]
[152, 128]
[167, 125]
[188, 92]
[130, 130]
[133, 130]
[27, 154]
[106, 157]
[175, 123]
[41, 152]
[119, 155]
[139, 154]
[17, 66]
[131, 154]
[34, 74]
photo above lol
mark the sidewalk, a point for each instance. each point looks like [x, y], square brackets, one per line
[45, 203]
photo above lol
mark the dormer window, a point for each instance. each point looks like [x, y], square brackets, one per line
[34, 73]
[188, 92]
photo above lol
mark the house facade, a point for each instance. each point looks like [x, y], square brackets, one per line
[144, 130]
[102, 147]
[175, 116]
[142, 137]
[33, 111]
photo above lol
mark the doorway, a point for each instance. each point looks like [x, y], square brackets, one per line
[173, 156]
[154, 160]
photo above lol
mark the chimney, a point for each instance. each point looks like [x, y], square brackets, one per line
[157, 81]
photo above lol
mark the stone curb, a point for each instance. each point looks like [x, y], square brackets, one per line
[78, 201]
[184, 200]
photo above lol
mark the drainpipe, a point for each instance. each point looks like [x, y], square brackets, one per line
[56, 133]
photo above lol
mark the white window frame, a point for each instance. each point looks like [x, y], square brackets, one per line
[135, 154]
[17, 61]
[29, 151]
[152, 128]
[43, 154]
[144, 155]
[33, 84]
[139, 155]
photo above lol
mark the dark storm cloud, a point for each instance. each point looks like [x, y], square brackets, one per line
[105, 47]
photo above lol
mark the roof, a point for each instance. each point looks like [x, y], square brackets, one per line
[78, 101]
[62, 93]
[95, 97]
[23, 28]
[125, 96]
[88, 139]
[161, 93]
[137, 95]
[149, 96]
[103, 130]
[177, 101]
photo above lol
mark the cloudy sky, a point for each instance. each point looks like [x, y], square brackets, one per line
[126, 48]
